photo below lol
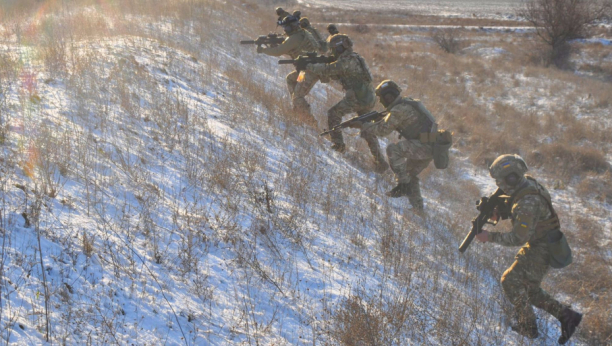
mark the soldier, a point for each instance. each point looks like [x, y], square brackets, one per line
[353, 73]
[281, 14]
[535, 226]
[305, 24]
[331, 28]
[298, 42]
[410, 156]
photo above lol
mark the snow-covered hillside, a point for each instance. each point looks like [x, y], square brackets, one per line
[158, 190]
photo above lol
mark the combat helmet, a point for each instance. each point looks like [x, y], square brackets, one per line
[339, 43]
[387, 86]
[280, 11]
[332, 29]
[288, 21]
[508, 171]
[387, 91]
[297, 14]
[304, 22]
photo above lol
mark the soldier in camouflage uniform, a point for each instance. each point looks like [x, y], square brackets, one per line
[305, 24]
[281, 13]
[410, 156]
[297, 43]
[354, 75]
[332, 29]
[535, 226]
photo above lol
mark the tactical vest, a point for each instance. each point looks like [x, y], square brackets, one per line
[427, 123]
[542, 227]
[315, 34]
[308, 44]
[357, 81]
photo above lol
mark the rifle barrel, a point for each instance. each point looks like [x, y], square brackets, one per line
[247, 42]
[467, 241]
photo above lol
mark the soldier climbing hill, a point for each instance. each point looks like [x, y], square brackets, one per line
[535, 227]
[354, 75]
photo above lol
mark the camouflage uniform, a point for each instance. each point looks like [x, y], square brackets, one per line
[299, 84]
[305, 24]
[533, 222]
[353, 73]
[281, 14]
[410, 156]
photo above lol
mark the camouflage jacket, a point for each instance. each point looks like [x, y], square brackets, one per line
[352, 72]
[298, 43]
[315, 34]
[402, 117]
[527, 213]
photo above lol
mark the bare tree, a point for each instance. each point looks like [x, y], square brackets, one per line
[447, 39]
[558, 21]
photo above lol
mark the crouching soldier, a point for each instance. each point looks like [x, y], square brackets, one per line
[351, 70]
[535, 227]
[298, 42]
[409, 156]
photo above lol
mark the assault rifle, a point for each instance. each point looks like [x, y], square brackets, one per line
[270, 40]
[491, 209]
[302, 61]
[355, 121]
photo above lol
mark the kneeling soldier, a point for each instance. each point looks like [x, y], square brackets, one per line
[535, 226]
[410, 156]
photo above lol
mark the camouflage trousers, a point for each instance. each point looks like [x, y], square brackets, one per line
[350, 104]
[407, 159]
[521, 284]
[299, 85]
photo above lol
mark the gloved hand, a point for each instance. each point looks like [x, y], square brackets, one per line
[483, 236]
[260, 49]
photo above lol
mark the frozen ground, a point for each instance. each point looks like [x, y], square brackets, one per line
[213, 220]
[455, 8]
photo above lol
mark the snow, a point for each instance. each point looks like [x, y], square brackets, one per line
[503, 9]
[181, 255]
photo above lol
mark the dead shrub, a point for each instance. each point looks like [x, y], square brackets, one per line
[447, 39]
[87, 244]
[598, 186]
[558, 21]
[572, 160]
[371, 322]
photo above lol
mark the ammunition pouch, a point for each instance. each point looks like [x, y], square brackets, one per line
[441, 147]
[560, 252]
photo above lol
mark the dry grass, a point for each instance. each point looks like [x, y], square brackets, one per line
[456, 88]
[468, 94]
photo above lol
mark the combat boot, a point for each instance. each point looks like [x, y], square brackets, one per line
[399, 191]
[339, 147]
[569, 319]
[380, 166]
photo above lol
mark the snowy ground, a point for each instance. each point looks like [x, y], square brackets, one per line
[456, 8]
[191, 213]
